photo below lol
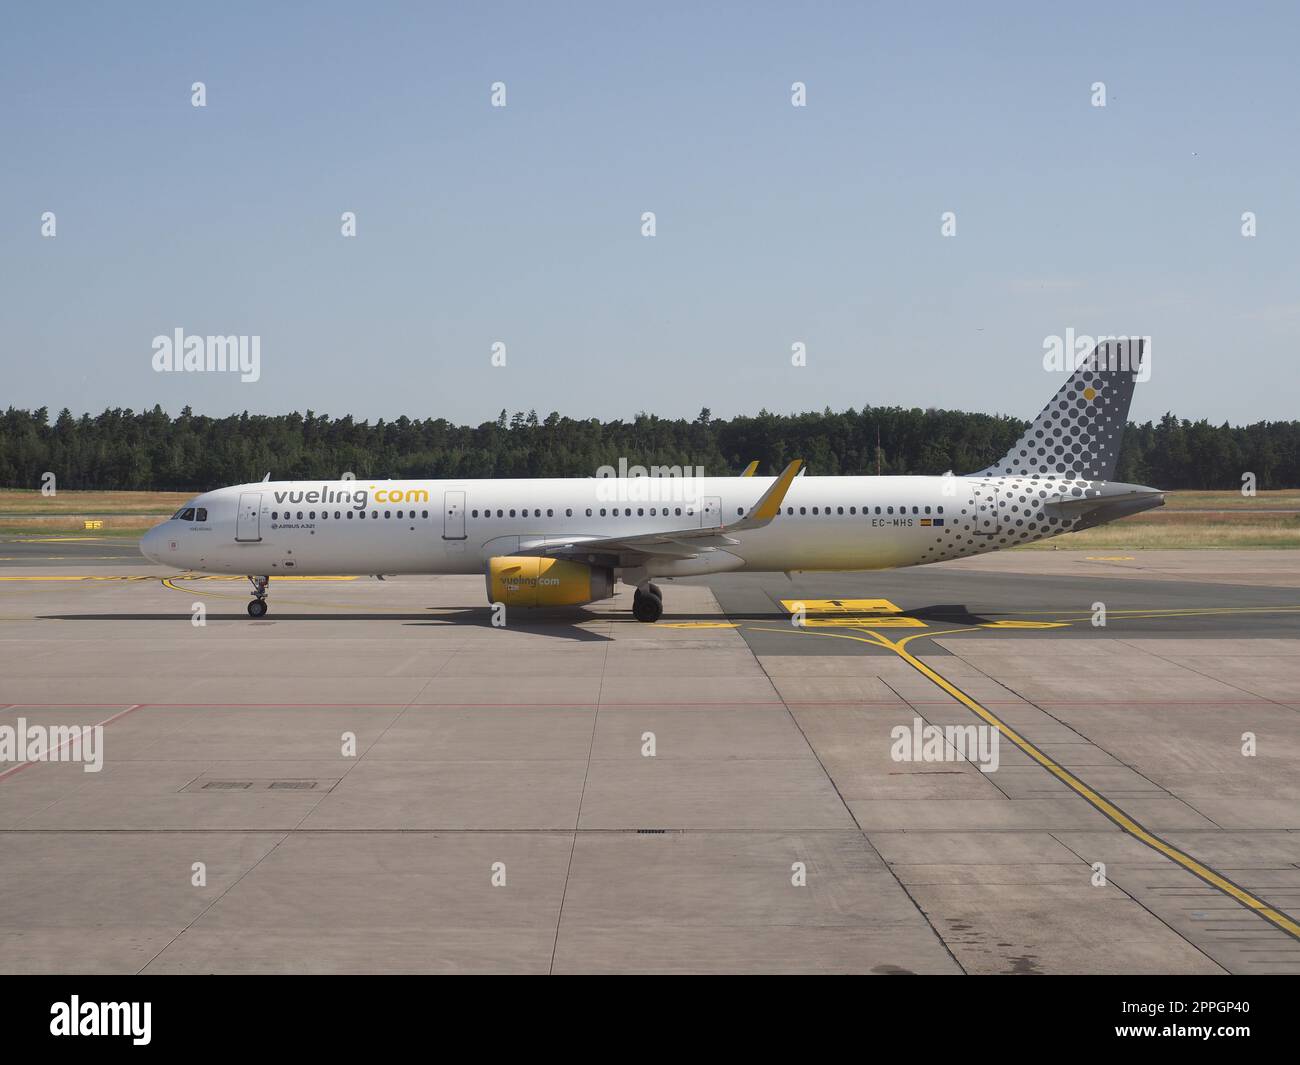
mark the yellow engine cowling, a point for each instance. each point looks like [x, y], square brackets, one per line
[528, 581]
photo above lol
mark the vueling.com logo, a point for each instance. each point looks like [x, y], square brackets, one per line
[357, 498]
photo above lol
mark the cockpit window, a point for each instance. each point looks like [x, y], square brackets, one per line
[184, 514]
[201, 514]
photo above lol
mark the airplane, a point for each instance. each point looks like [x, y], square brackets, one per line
[567, 542]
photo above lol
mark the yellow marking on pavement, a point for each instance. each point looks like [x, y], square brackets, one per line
[275, 577]
[1026, 624]
[1109, 558]
[842, 606]
[884, 621]
[87, 577]
[57, 539]
[852, 613]
[698, 625]
[1095, 799]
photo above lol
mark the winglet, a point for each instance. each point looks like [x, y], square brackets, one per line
[750, 469]
[769, 506]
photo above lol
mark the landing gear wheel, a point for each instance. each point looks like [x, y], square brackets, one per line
[647, 607]
[257, 608]
[654, 590]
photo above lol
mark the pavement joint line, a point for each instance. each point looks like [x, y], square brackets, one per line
[1094, 798]
[577, 821]
[907, 891]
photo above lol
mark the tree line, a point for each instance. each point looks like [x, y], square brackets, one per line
[151, 450]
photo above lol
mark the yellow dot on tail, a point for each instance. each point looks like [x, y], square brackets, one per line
[1089, 394]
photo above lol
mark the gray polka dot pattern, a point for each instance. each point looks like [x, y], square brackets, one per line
[1078, 433]
[1068, 453]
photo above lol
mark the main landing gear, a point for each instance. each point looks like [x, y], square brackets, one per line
[648, 603]
[257, 608]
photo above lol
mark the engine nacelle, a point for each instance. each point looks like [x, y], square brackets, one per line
[526, 580]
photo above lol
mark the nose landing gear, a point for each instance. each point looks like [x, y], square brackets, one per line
[647, 603]
[257, 608]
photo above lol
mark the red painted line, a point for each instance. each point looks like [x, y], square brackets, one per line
[102, 724]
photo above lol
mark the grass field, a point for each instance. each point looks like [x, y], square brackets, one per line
[123, 513]
[1188, 519]
[1171, 529]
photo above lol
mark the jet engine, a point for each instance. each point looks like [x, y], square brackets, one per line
[531, 581]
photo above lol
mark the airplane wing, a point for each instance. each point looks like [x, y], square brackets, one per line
[681, 543]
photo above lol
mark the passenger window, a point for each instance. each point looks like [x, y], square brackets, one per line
[877, 510]
[274, 516]
[941, 510]
[678, 512]
[424, 513]
[568, 512]
[537, 513]
[337, 515]
[889, 510]
[740, 511]
[589, 512]
[640, 512]
[349, 513]
[789, 510]
[839, 510]
[550, 513]
[853, 510]
[916, 510]
[312, 515]
[602, 512]
[803, 510]
[927, 510]
[512, 513]
[501, 514]
[814, 510]
[300, 515]
[388, 514]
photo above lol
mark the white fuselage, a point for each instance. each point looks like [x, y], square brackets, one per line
[427, 526]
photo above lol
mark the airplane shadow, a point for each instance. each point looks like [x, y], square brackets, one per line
[560, 624]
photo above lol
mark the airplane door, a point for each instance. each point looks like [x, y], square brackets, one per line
[986, 509]
[453, 515]
[710, 512]
[248, 526]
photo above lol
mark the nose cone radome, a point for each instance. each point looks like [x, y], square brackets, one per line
[151, 544]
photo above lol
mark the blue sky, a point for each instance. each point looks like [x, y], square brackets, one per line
[522, 225]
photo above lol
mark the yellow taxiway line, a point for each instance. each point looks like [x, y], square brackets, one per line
[1090, 795]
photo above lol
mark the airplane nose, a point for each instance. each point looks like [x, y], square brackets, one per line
[150, 543]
